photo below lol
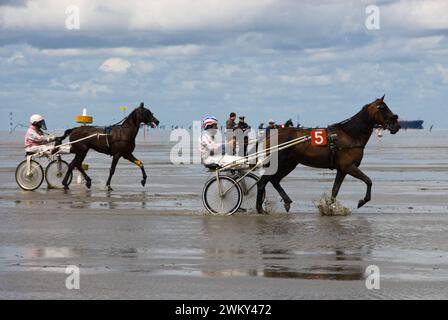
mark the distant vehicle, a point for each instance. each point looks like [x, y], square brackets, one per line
[411, 124]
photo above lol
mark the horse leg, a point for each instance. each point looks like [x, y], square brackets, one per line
[276, 184]
[84, 174]
[261, 187]
[357, 173]
[115, 159]
[139, 164]
[340, 176]
[286, 199]
[71, 166]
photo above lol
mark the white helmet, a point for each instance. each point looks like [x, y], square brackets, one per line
[39, 121]
[35, 118]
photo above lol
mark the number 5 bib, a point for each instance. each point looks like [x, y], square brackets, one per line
[319, 137]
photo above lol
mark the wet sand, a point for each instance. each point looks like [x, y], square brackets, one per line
[157, 242]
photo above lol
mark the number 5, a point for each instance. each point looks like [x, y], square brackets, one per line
[318, 138]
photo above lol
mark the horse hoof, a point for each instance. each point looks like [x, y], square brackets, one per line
[88, 184]
[143, 182]
[361, 203]
[109, 188]
[287, 206]
[66, 188]
[260, 210]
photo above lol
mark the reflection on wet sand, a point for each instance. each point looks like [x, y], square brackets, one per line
[35, 258]
[33, 252]
[81, 199]
[257, 256]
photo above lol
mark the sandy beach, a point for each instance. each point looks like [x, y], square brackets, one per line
[157, 241]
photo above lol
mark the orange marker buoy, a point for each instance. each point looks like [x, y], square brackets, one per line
[84, 119]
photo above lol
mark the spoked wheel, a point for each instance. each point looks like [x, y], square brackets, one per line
[55, 173]
[31, 179]
[227, 203]
[249, 187]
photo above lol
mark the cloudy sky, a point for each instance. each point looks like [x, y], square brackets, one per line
[191, 58]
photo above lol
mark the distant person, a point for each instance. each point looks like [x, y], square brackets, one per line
[245, 129]
[230, 123]
[36, 140]
[271, 124]
[242, 124]
[230, 126]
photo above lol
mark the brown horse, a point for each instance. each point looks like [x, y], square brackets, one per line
[344, 152]
[117, 141]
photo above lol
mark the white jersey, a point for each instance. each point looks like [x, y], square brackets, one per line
[208, 147]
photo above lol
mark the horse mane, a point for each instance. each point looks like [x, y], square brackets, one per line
[356, 124]
[122, 121]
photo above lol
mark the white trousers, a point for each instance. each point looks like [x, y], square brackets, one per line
[223, 160]
[47, 148]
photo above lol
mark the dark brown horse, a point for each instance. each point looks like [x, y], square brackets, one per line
[117, 141]
[287, 124]
[344, 153]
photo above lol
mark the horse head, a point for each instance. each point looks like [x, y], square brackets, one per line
[289, 123]
[146, 116]
[381, 115]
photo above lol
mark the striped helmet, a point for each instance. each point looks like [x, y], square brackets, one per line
[208, 122]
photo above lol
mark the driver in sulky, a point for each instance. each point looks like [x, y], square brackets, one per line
[36, 140]
[212, 152]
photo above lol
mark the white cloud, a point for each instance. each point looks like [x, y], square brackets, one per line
[417, 14]
[135, 14]
[307, 80]
[443, 72]
[17, 59]
[438, 70]
[89, 88]
[314, 77]
[115, 65]
[165, 51]
[143, 67]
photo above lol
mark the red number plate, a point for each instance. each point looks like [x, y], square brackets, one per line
[319, 137]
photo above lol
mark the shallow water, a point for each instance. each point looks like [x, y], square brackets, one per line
[133, 236]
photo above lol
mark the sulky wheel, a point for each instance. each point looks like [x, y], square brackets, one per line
[55, 173]
[226, 203]
[31, 179]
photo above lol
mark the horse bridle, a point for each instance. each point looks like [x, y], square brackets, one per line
[387, 123]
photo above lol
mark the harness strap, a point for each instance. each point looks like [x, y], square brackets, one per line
[351, 147]
[332, 147]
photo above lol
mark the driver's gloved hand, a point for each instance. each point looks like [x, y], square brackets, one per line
[58, 140]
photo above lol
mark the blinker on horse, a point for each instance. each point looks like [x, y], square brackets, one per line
[118, 142]
[345, 155]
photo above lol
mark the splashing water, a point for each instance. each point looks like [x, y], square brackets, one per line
[329, 207]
